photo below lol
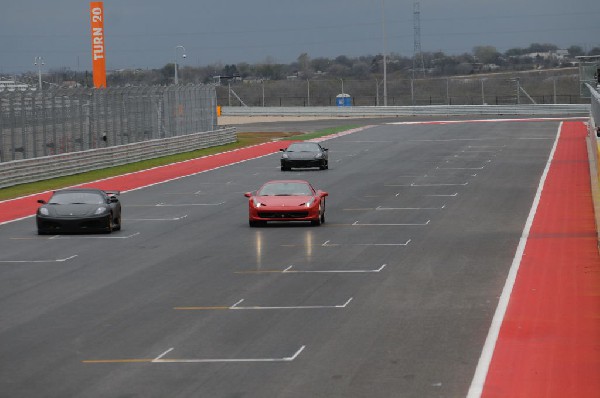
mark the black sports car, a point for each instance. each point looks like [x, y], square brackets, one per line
[79, 210]
[304, 154]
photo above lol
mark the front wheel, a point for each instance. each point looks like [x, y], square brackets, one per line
[319, 220]
[111, 225]
[117, 224]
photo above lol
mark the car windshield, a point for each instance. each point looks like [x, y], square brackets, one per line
[304, 147]
[285, 189]
[66, 198]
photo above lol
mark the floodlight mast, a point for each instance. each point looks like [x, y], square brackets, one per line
[175, 66]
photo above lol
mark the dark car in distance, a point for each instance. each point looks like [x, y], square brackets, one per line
[79, 210]
[304, 154]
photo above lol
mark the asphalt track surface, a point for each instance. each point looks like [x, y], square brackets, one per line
[392, 297]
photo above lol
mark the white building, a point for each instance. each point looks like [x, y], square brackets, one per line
[12, 85]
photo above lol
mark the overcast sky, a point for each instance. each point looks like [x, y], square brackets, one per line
[144, 33]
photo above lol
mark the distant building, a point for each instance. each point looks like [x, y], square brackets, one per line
[12, 85]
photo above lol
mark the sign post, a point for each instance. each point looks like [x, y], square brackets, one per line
[98, 44]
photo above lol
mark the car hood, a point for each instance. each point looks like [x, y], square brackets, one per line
[75, 210]
[280, 201]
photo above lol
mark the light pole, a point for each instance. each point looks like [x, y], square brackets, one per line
[342, 80]
[182, 56]
[384, 54]
[39, 62]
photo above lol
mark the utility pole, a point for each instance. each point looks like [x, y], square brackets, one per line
[39, 62]
[384, 55]
[418, 54]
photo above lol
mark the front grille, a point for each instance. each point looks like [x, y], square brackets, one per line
[283, 214]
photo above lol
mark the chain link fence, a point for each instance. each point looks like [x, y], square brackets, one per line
[56, 121]
[476, 90]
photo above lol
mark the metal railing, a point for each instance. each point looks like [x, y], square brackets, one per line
[391, 111]
[594, 111]
[42, 168]
[56, 121]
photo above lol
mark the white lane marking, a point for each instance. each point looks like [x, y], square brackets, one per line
[460, 168]
[235, 305]
[327, 244]
[295, 307]
[60, 260]
[410, 208]
[356, 223]
[156, 219]
[425, 185]
[284, 359]
[188, 204]
[477, 384]
[289, 270]
[158, 358]
[341, 134]
[452, 195]
[62, 237]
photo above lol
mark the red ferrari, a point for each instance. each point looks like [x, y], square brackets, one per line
[286, 200]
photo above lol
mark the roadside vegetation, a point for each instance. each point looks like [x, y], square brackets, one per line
[482, 59]
[243, 140]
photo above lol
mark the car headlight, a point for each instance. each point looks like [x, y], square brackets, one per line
[318, 155]
[256, 203]
[309, 203]
[100, 210]
[43, 211]
[284, 156]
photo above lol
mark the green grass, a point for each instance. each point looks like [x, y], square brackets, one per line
[244, 140]
[324, 132]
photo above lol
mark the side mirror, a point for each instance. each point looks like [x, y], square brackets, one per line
[325, 149]
[113, 199]
[323, 193]
[281, 150]
[248, 194]
[41, 201]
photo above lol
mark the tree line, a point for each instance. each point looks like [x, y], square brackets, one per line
[428, 64]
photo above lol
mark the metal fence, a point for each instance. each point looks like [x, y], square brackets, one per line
[538, 88]
[56, 121]
[595, 109]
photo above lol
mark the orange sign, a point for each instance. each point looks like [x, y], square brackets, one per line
[98, 44]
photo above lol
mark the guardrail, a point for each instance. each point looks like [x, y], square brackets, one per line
[429, 110]
[594, 111]
[42, 168]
